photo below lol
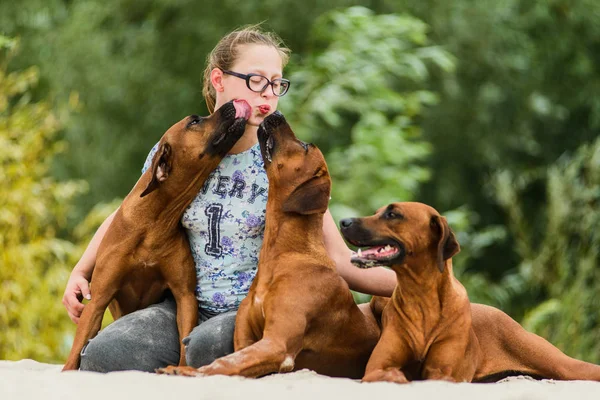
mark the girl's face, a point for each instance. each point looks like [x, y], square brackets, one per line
[252, 59]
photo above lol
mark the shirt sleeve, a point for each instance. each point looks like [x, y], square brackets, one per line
[148, 162]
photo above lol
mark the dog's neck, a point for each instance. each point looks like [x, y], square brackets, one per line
[424, 287]
[165, 205]
[289, 232]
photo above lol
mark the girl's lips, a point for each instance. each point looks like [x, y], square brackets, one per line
[264, 108]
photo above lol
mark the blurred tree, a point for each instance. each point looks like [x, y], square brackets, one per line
[33, 209]
[35, 257]
[562, 262]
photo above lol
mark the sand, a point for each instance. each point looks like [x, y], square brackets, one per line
[28, 379]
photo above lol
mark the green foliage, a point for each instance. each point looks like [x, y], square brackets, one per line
[35, 261]
[562, 261]
[523, 93]
[359, 101]
[474, 243]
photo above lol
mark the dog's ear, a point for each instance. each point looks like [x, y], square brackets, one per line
[447, 244]
[161, 167]
[311, 197]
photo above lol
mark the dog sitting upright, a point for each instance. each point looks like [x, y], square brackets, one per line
[430, 329]
[145, 250]
[299, 312]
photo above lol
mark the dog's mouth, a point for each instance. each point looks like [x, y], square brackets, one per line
[384, 254]
[236, 116]
[265, 135]
[269, 145]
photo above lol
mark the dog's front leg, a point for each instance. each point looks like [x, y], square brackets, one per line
[389, 356]
[245, 326]
[180, 273]
[453, 358]
[263, 357]
[275, 352]
[187, 319]
[266, 356]
[89, 324]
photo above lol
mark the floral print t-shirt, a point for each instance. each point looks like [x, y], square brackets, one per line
[225, 225]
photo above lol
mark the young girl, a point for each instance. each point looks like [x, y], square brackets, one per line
[224, 223]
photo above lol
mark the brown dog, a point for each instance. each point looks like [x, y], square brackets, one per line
[430, 330]
[299, 313]
[145, 250]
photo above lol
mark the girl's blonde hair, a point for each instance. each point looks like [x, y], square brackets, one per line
[226, 53]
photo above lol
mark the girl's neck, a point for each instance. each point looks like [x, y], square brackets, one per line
[247, 140]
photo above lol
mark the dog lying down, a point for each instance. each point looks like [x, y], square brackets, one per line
[430, 330]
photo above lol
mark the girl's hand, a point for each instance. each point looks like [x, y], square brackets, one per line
[77, 288]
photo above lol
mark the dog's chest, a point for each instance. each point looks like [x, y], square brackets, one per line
[415, 328]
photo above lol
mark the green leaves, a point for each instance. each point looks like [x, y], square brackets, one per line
[560, 250]
[35, 257]
[358, 96]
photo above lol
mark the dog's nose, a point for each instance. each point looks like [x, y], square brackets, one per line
[346, 222]
[274, 120]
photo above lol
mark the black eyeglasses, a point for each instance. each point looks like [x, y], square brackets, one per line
[258, 83]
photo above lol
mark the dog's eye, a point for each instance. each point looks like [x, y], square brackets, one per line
[305, 146]
[391, 215]
[194, 120]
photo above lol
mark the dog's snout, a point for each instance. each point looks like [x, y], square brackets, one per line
[346, 222]
[274, 120]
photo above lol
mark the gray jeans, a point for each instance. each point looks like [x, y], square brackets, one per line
[148, 339]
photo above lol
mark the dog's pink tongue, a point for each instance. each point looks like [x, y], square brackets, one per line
[372, 251]
[375, 252]
[242, 109]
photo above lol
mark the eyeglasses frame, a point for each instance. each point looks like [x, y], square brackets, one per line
[247, 77]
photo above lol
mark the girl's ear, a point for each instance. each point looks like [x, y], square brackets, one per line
[216, 79]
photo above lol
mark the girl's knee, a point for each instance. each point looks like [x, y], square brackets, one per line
[210, 340]
[142, 341]
[100, 355]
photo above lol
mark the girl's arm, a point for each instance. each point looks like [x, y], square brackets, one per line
[78, 285]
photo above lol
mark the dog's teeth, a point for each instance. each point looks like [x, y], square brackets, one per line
[359, 252]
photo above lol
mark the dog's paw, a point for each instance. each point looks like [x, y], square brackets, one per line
[219, 367]
[393, 375]
[181, 371]
[210, 370]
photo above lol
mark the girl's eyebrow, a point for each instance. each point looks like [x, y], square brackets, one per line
[263, 73]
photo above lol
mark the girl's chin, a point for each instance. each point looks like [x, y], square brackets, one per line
[255, 120]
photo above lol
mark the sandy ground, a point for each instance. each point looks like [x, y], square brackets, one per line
[28, 379]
